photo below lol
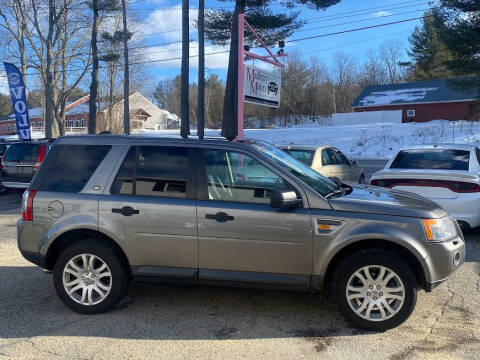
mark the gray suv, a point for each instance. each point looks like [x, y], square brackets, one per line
[105, 209]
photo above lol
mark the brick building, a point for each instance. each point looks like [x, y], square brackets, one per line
[420, 101]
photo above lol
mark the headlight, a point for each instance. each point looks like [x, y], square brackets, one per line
[439, 229]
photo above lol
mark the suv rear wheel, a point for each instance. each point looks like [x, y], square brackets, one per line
[375, 290]
[90, 276]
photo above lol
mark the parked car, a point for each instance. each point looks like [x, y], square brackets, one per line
[4, 145]
[328, 161]
[448, 174]
[104, 209]
[21, 161]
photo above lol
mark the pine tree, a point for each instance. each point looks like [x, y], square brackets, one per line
[428, 51]
[461, 35]
[221, 28]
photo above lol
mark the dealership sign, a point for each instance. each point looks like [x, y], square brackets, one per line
[262, 87]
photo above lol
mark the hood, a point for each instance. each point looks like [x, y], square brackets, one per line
[378, 200]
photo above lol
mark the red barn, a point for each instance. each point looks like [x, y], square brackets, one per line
[421, 101]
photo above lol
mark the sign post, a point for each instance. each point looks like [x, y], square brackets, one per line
[263, 87]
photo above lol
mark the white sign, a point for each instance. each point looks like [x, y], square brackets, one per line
[262, 87]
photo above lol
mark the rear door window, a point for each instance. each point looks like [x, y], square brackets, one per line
[328, 158]
[27, 153]
[434, 159]
[159, 171]
[339, 157]
[72, 167]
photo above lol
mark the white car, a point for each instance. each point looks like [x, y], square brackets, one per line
[448, 174]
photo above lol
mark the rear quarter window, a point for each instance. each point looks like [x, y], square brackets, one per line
[436, 159]
[72, 167]
[23, 153]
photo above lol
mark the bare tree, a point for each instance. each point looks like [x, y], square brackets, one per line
[390, 55]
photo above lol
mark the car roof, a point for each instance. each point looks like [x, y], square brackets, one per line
[127, 139]
[303, 147]
[467, 147]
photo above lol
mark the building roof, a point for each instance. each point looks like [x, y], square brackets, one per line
[432, 91]
[77, 107]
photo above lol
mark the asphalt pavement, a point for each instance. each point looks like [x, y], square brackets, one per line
[185, 322]
[370, 166]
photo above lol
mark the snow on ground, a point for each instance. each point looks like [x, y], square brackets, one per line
[369, 141]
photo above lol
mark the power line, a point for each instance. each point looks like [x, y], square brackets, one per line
[362, 20]
[226, 51]
[353, 30]
[315, 21]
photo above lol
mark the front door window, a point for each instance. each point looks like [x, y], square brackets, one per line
[231, 176]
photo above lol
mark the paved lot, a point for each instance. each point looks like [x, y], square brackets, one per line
[370, 166]
[172, 322]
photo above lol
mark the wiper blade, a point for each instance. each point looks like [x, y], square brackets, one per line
[335, 192]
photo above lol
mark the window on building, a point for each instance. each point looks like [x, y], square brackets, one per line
[9, 128]
[411, 113]
[34, 124]
[4, 128]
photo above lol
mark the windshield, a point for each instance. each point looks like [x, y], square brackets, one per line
[309, 176]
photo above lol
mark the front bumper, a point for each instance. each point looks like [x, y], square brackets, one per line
[29, 243]
[443, 259]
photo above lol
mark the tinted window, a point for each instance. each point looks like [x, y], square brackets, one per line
[232, 176]
[328, 158]
[440, 159]
[23, 153]
[124, 181]
[304, 156]
[339, 157]
[154, 171]
[3, 148]
[73, 167]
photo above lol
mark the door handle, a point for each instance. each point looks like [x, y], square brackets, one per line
[125, 211]
[220, 217]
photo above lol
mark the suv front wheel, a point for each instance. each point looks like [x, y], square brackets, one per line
[375, 290]
[90, 276]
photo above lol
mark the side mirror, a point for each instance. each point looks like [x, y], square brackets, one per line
[284, 199]
[354, 162]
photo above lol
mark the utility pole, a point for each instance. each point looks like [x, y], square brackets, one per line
[201, 69]
[126, 84]
[185, 126]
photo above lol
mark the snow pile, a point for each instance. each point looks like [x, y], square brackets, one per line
[395, 96]
[372, 141]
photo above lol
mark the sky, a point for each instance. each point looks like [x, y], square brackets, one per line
[157, 25]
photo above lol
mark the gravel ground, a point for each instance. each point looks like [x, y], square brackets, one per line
[175, 322]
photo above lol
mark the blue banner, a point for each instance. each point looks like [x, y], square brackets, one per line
[19, 100]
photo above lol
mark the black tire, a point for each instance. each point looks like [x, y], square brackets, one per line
[111, 256]
[362, 179]
[355, 262]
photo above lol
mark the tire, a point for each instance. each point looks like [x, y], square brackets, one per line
[362, 179]
[106, 290]
[400, 303]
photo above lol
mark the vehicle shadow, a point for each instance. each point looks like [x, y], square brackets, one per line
[472, 244]
[29, 307]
